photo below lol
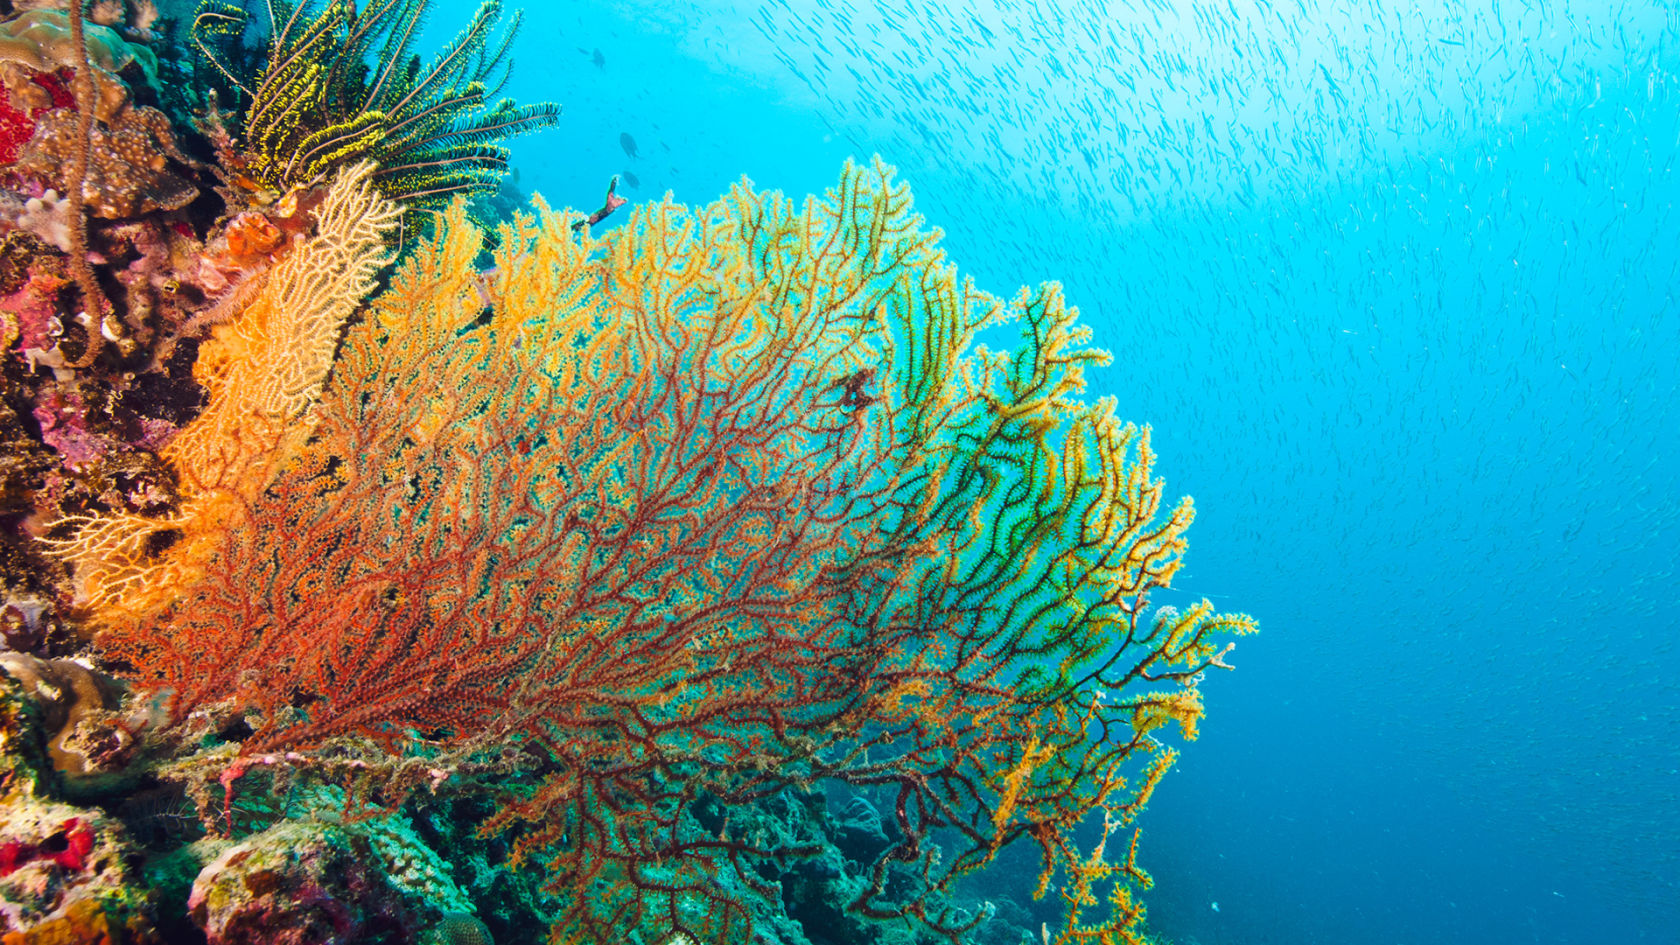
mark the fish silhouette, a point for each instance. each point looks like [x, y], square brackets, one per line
[595, 56]
[630, 179]
[627, 143]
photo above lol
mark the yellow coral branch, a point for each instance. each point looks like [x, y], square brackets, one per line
[262, 371]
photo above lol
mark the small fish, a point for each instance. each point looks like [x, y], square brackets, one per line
[627, 143]
[595, 56]
[630, 179]
[613, 202]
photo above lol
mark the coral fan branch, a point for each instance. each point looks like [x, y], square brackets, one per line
[262, 370]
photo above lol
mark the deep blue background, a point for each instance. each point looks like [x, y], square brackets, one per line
[1397, 292]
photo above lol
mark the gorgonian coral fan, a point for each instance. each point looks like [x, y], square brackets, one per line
[262, 372]
[723, 503]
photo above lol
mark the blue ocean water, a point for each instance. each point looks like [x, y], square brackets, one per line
[1397, 292]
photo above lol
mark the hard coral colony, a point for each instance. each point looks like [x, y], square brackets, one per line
[659, 586]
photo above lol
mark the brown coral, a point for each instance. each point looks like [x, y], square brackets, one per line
[134, 18]
[132, 161]
[70, 695]
[39, 40]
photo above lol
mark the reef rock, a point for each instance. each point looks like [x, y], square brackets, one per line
[320, 882]
[64, 878]
[88, 743]
[39, 41]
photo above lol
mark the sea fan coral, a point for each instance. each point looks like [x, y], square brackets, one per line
[261, 371]
[721, 506]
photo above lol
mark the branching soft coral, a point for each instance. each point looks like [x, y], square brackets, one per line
[262, 372]
[720, 505]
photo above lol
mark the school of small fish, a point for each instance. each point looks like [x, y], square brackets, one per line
[1396, 286]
